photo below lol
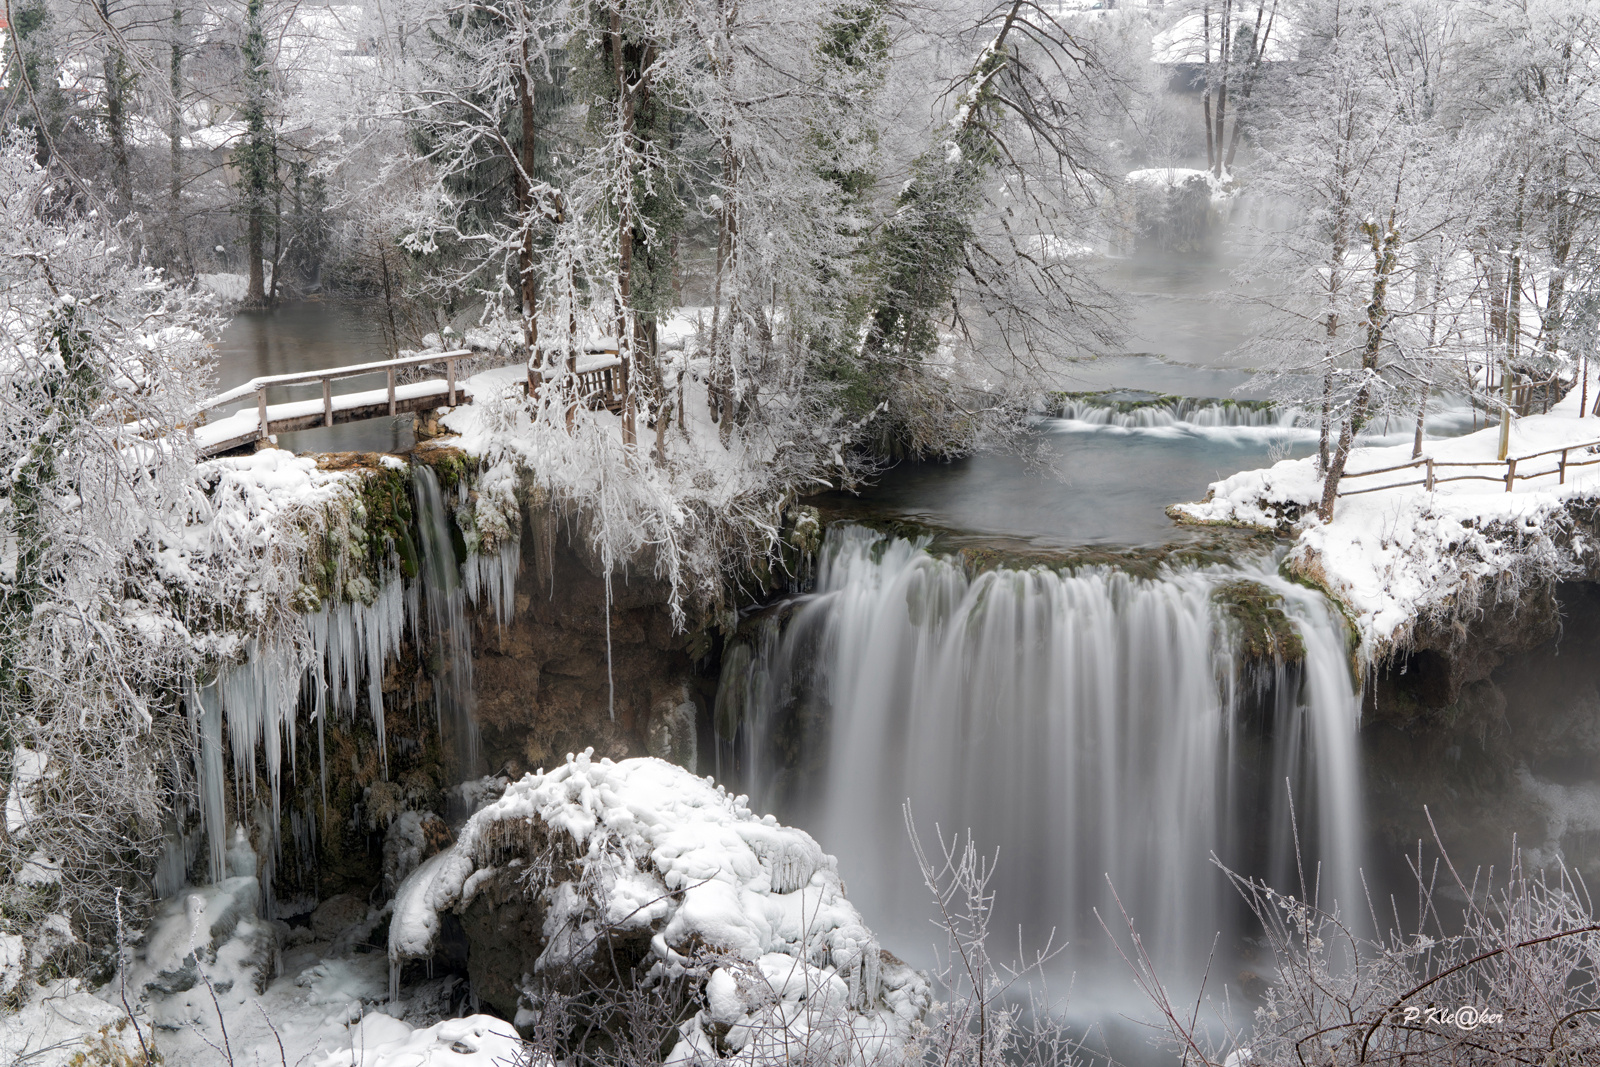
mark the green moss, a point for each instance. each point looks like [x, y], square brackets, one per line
[1265, 632]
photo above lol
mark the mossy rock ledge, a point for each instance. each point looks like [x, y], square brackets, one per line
[1265, 633]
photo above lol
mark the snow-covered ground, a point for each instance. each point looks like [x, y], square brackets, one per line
[755, 909]
[213, 983]
[1403, 551]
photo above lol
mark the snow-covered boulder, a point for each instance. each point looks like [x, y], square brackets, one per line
[640, 869]
[207, 942]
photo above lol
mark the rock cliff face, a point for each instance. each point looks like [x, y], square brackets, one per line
[1495, 726]
[548, 684]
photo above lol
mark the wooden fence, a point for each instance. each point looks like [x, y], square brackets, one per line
[1512, 475]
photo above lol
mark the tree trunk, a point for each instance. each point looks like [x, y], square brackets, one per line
[1385, 257]
[1205, 96]
[116, 82]
[1513, 322]
[1257, 55]
[528, 282]
[1225, 45]
[175, 229]
[625, 340]
[254, 159]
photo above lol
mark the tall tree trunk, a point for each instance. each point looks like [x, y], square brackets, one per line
[175, 228]
[115, 68]
[528, 281]
[1336, 267]
[277, 230]
[1225, 46]
[255, 166]
[1263, 36]
[1508, 373]
[625, 338]
[1385, 257]
[1205, 96]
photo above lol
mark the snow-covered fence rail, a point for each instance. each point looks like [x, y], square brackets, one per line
[1430, 466]
[600, 378]
[241, 429]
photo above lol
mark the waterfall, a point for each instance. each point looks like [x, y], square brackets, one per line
[1086, 724]
[444, 596]
[1180, 410]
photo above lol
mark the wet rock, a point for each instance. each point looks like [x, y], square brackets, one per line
[672, 731]
[336, 914]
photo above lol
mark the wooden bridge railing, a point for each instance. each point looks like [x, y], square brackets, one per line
[601, 379]
[259, 386]
[1511, 475]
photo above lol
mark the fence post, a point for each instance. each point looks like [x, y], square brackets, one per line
[391, 390]
[1563, 480]
[261, 412]
[327, 401]
[1429, 479]
[1511, 472]
[450, 365]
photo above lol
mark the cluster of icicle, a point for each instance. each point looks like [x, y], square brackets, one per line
[323, 663]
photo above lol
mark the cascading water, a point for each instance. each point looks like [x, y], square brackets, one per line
[1088, 725]
[1448, 415]
[444, 598]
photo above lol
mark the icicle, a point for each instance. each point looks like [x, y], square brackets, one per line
[495, 576]
[205, 725]
[611, 683]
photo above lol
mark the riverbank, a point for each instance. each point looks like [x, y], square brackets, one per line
[1433, 543]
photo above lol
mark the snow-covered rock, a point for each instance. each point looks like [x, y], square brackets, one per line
[640, 860]
[207, 943]
[382, 1041]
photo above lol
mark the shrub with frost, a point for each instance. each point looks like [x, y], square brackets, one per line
[100, 359]
[1495, 969]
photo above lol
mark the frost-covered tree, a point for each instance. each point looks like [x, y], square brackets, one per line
[100, 362]
[1363, 271]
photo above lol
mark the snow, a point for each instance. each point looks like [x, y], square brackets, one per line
[381, 1041]
[59, 1022]
[201, 986]
[1402, 552]
[244, 425]
[675, 854]
[1169, 178]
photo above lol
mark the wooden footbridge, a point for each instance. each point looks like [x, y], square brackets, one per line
[600, 378]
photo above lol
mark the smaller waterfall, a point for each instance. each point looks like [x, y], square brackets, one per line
[1089, 725]
[1179, 410]
[1448, 415]
[321, 670]
[444, 597]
